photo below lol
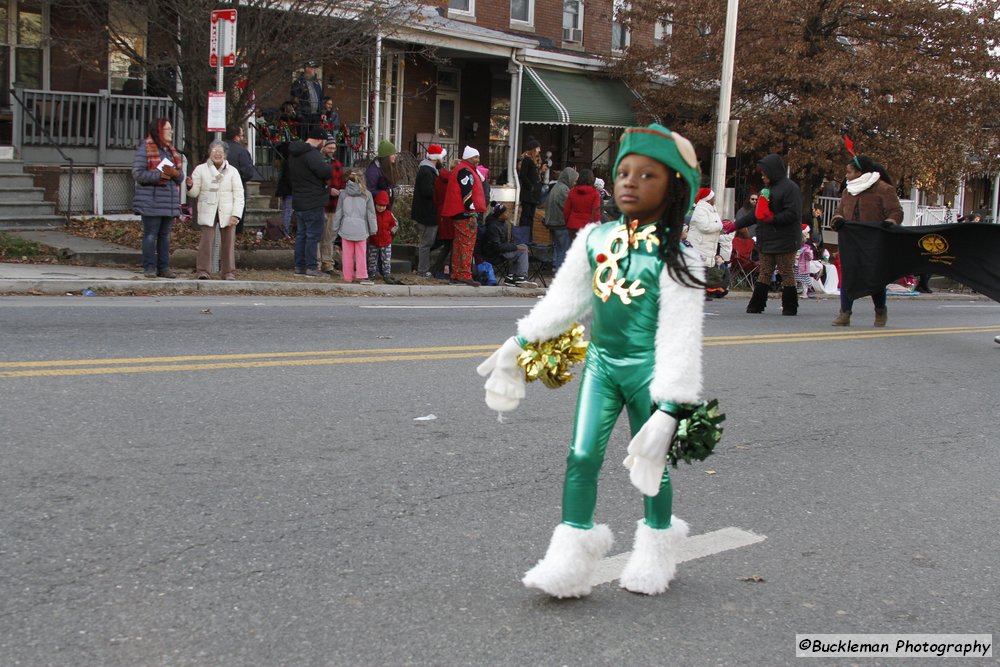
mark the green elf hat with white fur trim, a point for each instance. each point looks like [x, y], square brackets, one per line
[657, 142]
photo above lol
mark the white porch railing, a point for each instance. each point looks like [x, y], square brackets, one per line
[912, 215]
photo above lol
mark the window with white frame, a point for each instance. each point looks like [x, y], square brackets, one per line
[522, 11]
[462, 7]
[621, 36]
[573, 21]
[663, 29]
[24, 39]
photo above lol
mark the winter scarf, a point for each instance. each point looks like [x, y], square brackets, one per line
[153, 156]
[862, 183]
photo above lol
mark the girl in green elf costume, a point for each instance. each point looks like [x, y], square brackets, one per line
[645, 292]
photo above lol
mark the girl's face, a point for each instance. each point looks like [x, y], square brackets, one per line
[852, 171]
[641, 188]
[379, 208]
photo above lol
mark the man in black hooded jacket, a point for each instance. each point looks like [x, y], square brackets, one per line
[779, 235]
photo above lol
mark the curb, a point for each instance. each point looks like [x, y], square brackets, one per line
[63, 287]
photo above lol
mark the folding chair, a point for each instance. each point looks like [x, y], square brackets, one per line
[539, 261]
[742, 269]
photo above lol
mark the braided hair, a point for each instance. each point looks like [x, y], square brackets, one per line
[668, 231]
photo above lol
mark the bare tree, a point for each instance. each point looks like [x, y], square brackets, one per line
[912, 82]
[273, 38]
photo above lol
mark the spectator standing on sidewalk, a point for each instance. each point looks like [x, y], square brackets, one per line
[555, 214]
[239, 158]
[380, 243]
[424, 210]
[337, 183]
[309, 172]
[283, 191]
[583, 204]
[354, 221]
[219, 190]
[531, 182]
[157, 172]
[463, 202]
[446, 226]
[778, 217]
[381, 173]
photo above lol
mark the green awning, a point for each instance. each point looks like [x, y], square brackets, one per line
[560, 98]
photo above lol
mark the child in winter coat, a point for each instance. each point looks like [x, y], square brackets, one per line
[802, 276]
[583, 204]
[380, 243]
[354, 221]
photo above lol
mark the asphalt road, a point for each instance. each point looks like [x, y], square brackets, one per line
[248, 484]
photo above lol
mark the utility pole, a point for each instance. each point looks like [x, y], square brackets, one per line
[725, 101]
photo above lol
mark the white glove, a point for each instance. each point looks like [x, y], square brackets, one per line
[647, 453]
[505, 384]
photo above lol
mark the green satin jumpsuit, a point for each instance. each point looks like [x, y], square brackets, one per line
[619, 365]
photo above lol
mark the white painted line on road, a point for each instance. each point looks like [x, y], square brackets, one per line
[694, 547]
[446, 307]
[972, 305]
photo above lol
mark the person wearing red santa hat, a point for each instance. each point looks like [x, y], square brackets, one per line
[703, 233]
[424, 211]
[464, 200]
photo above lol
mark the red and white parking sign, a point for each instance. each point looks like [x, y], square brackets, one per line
[223, 38]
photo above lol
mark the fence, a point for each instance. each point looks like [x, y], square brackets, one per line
[96, 133]
[100, 122]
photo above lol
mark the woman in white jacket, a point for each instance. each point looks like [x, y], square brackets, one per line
[705, 227]
[219, 190]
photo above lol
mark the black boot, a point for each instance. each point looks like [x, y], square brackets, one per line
[789, 300]
[759, 299]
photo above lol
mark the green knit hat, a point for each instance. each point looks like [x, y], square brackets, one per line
[659, 143]
[385, 148]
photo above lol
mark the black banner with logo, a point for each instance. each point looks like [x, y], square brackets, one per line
[872, 256]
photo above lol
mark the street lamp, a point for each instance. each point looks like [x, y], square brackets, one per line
[725, 101]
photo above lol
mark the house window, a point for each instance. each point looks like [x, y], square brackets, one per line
[127, 46]
[621, 36]
[573, 21]
[663, 29]
[522, 11]
[462, 7]
[23, 41]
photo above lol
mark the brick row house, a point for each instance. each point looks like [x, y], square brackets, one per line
[487, 74]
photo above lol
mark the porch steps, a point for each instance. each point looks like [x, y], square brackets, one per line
[258, 207]
[22, 205]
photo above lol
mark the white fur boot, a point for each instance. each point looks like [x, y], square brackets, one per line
[570, 561]
[653, 563]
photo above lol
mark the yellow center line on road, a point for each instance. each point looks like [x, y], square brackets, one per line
[56, 372]
[79, 367]
[842, 335]
[256, 355]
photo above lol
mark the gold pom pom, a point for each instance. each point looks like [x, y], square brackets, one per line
[549, 360]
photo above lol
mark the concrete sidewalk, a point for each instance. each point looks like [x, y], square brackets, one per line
[106, 271]
[114, 269]
[62, 279]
